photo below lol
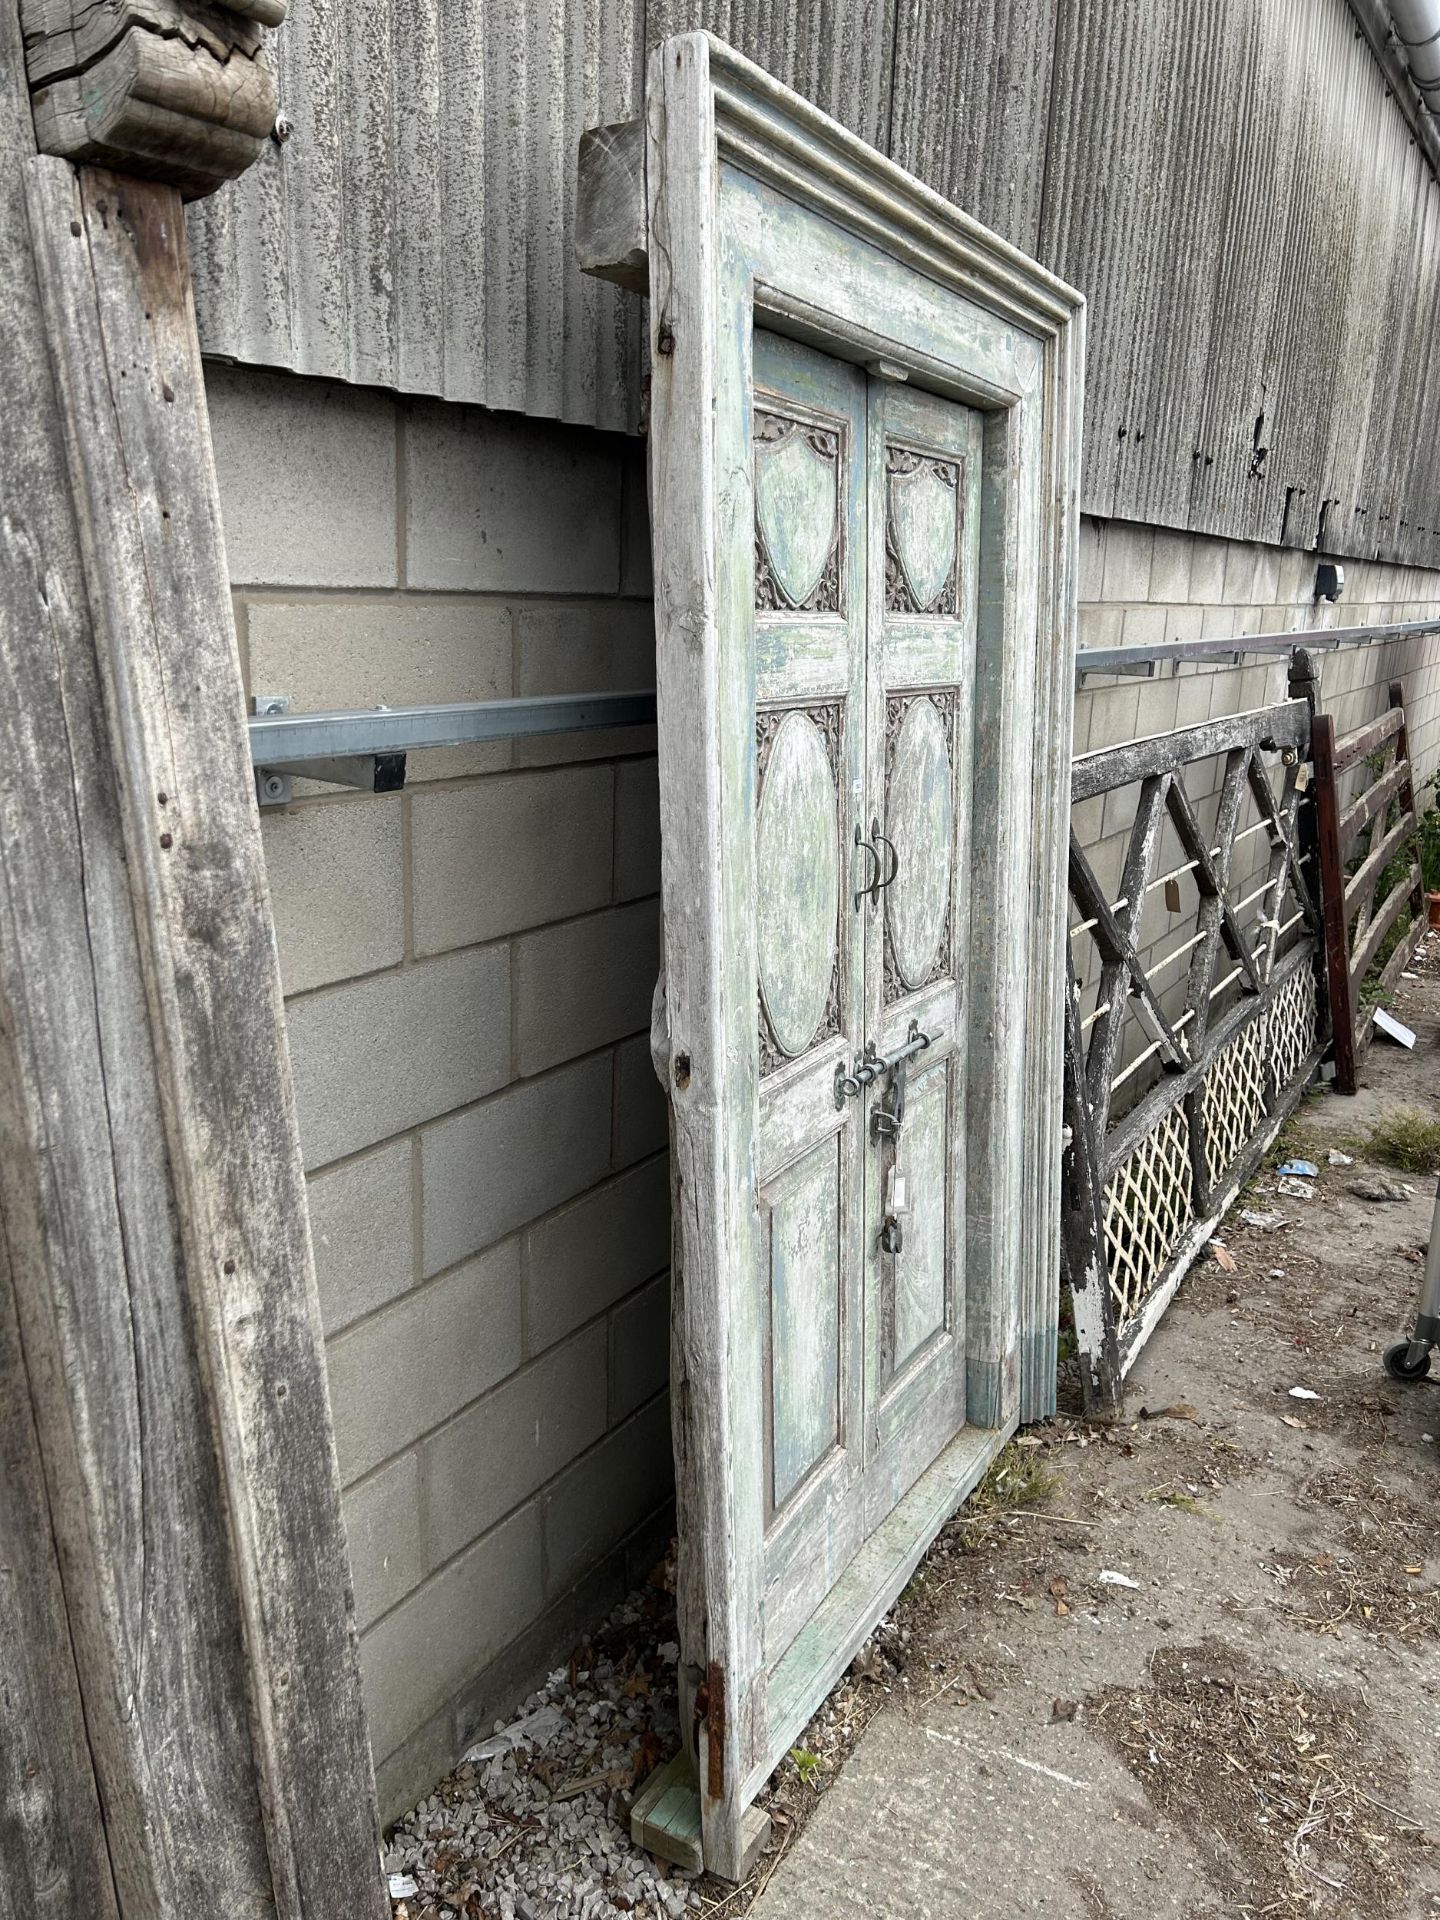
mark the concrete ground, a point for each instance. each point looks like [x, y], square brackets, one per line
[1247, 1721]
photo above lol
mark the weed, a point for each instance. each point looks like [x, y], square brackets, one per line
[1172, 1497]
[808, 1766]
[1019, 1477]
[1407, 1140]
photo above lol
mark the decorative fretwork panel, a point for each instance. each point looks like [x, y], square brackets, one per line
[1234, 1097]
[1146, 1212]
[1194, 1021]
[1294, 1029]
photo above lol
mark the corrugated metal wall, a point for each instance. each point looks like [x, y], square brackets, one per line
[1258, 235]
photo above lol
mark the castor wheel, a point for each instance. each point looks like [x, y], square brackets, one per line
[1400, 1368]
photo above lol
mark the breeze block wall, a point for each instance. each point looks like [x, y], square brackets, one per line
[468, 970]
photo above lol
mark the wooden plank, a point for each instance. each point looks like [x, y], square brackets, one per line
[53, 1859]
[193, 1474]
[1396, 901]
[665, 1817]
[1122, 976]
[1082, 1235]
[1157, 753]
[1195, 846]
[1362, 810]
[1353, 746]
[1332, 895]
[1361, 884]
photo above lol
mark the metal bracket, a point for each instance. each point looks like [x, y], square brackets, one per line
[365, 772]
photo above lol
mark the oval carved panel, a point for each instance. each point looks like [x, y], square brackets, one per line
[920, 819]
[797, 479]
[797, 881]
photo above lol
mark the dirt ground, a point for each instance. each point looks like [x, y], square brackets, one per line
[1188, 1666]
[1246, 1721]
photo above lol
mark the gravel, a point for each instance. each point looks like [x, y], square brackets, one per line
[534, 1823]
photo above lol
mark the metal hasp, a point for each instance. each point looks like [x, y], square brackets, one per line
[366, 747]
[864, 470]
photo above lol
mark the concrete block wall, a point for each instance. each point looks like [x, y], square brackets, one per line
[468, 969]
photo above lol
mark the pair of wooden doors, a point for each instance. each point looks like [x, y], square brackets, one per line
[866, 509]
[863, 472]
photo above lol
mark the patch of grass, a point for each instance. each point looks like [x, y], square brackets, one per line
[1407, 1140]
[1174, 1497]
[1018, 1477]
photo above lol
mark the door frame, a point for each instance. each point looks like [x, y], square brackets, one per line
[740, 205]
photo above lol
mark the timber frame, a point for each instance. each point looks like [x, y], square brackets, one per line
[1145, 1190]
[185, 1733]
[908, 288]
[1365, 846]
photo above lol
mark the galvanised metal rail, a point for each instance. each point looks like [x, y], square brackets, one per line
[1143, 659]
[277, 738]
[365, 747]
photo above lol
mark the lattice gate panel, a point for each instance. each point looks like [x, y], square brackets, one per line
[1146, 1212]
[1234, 1097]
[1294, 1030]
[1183, 1052]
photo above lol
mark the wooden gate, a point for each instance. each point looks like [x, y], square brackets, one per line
[1374, 900]
[1194, 1014]
[862, 455]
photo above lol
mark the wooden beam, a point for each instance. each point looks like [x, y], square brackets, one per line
[1332, 897]
[174, 90]
[53, 1860]
[1352, 747]
[1373, 800]
[152, 1208]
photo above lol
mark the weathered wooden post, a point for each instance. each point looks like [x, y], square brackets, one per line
[183, 1730]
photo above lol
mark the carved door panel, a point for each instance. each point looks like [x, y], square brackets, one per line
[862, 406]
[923, 462]
[809, 475]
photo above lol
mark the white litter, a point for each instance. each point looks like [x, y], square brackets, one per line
[1108, 1578]
[1303, 1393]
[1263, 1222]
[531, 1730]
[1338, 1159]
[1295, 1189]
[1396, 1030]
[402, 1887]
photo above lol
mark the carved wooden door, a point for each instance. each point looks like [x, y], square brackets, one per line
[864, 632]
[863, 473]
[923, 461]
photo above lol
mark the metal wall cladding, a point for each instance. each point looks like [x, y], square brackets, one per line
[1254, 227]
[416, 229]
